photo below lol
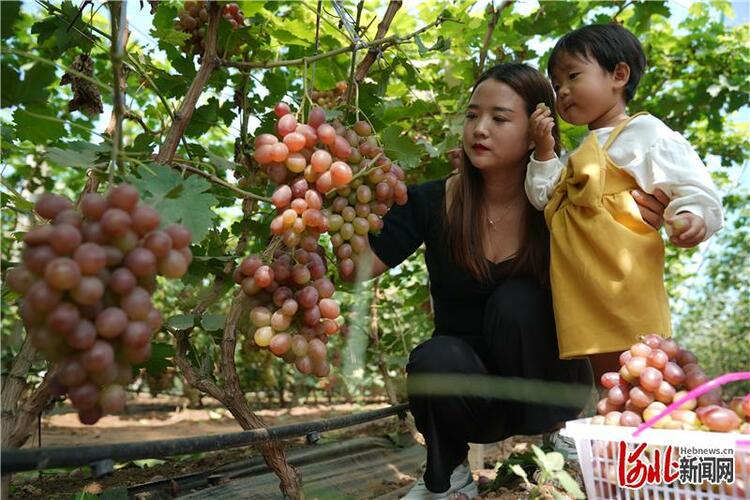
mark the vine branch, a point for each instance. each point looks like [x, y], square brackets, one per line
[383, 26]
[488, 34]
[384, 43]
[209, 63]
[118, 22]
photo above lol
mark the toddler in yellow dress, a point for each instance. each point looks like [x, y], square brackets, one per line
[606, 265]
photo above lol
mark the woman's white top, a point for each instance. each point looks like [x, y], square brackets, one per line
[657, 157]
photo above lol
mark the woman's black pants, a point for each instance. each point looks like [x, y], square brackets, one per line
[518, 339]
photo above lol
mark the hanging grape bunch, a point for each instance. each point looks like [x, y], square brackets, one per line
[330, 179]
[293, 311]
[86, 282]
[193, 20]
[330, 98]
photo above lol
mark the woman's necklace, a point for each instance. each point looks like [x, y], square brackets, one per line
[494, 223]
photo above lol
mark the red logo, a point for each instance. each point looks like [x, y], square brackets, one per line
[634, 469]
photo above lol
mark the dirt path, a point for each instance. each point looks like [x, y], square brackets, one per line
[64, 429]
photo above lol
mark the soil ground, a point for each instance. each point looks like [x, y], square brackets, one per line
[169, 417]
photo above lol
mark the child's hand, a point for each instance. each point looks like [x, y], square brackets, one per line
[687, 229]
[540, 131]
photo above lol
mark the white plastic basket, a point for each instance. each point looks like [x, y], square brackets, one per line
[598, 449]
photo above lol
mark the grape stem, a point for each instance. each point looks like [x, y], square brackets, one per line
[359, 174]
[383, 43]
[488, 34]
[245, 194]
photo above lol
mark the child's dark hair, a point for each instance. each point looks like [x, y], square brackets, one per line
[608, 44]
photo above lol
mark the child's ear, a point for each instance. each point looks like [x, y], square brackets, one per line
[621, 75]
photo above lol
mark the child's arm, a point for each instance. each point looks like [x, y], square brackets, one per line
[694, 213]
[545, 167]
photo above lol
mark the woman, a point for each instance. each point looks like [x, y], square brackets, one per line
[487, 254]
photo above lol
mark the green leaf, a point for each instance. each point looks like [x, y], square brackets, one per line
[554, 461]
[518, 471]
[570, 485]
[540, 457]
[171, 36]
[147, 462]
[442, 44]
[163, 28]
[203, 118]
[9, 14]
[178, 200]
[10, 84]
[400, 148]
[38, 125]
[159, 361]
[420, 46]
[35, 83]
[250, 7]
[220, 163]
[56, 34]
[181, 321]
[293, 32]
[76, 154]
[211, 322]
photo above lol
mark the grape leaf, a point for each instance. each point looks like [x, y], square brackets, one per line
[203, 118]
[37, 124]
[163, 28]
[76, 154]
[400, 148]
[9, 14]
[181, 321]
[177, 200]
[56, 34]
[293, 32]
[211, 322]
[10, 81]
[420, 46]
[160, 360]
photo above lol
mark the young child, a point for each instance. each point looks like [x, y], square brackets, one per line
[606, 262]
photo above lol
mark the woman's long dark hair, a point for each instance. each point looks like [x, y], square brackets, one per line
[465, 236]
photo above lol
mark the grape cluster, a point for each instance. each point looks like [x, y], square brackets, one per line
[329, 98]
[330, 179]
[293, 312]
[656, 372]
[193, 20]
[86, 283]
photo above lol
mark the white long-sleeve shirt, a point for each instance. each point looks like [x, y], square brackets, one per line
[657, 157]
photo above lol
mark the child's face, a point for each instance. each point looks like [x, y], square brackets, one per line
[496, 127]
[585, 91]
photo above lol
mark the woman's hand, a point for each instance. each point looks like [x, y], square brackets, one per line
[651, 206]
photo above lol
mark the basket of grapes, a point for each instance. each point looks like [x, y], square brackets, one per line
[663, 431]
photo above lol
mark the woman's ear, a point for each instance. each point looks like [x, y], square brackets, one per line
[621, 75]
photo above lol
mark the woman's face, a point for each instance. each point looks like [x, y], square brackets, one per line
[496, 127]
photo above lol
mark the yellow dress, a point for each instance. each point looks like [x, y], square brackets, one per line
[606, 264]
